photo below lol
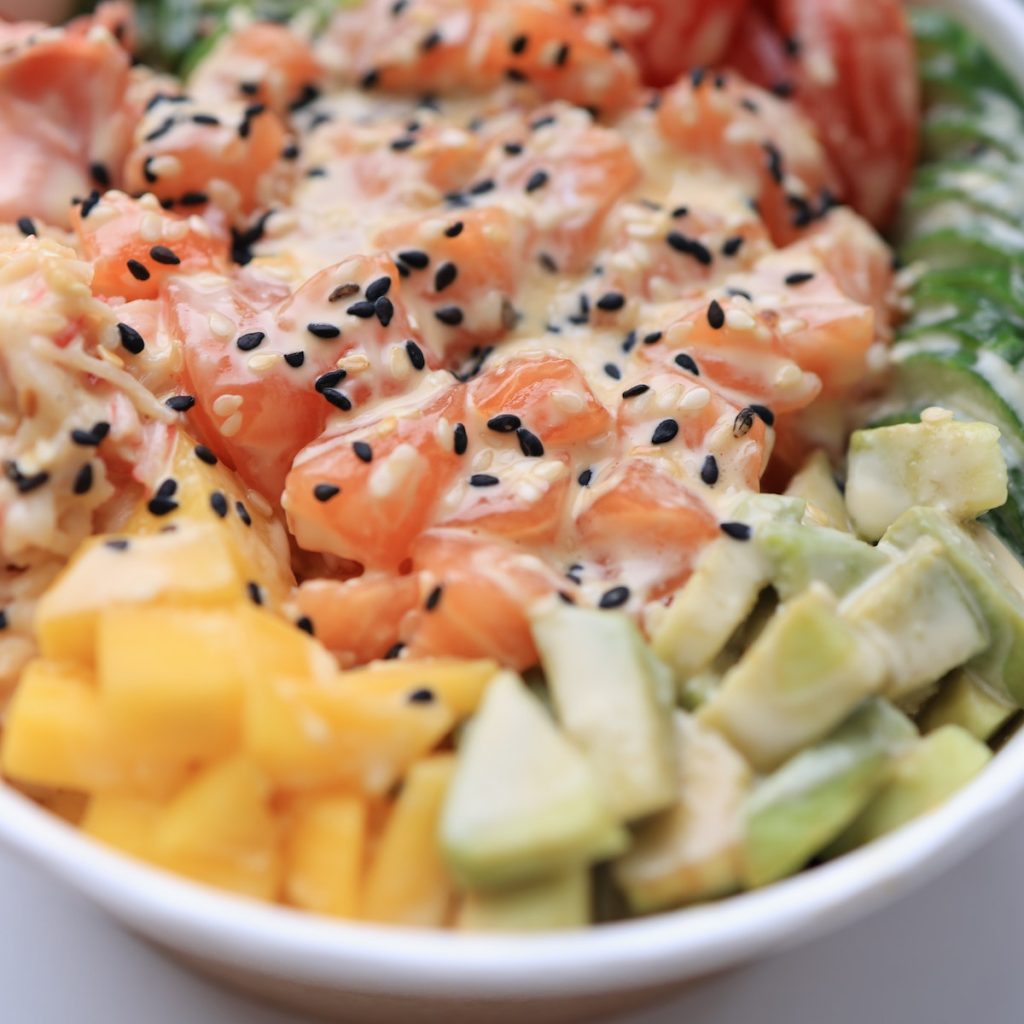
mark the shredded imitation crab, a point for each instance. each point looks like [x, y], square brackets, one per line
[486, 300]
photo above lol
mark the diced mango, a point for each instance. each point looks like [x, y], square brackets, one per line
[219, 829]
[322, 733]
[258, 546]
[189, 566]
[127, 823]
[171, 681]
[272, 648]
[55, 734]
[325, 854]
[408, 882]
[457, 683]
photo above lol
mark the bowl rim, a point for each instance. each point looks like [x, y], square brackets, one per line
[665, 948]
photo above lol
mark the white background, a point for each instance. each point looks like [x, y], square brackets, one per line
[952, 953]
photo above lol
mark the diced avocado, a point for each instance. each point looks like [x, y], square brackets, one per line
[799, 555]
[1001, 665]
[921, 779]
[560, 902]
[920, 615]
[523, 804]
[806, 803]
[817, 486]
[609, 699]
[692, 851]
[939, 462]
[698, 689]
[710, 607]
[757, 509]
[802, 676]
[964, 701]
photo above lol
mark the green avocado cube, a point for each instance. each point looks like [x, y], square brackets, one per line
[799, 555]
[940, 462]
[523, 804]
[920, 615]
[817, 486]
[804, 674]
[989, 573]
[801, 807]
[965, 701]
[921, 779]
[609, 697]
[692, 851]
[558, 903]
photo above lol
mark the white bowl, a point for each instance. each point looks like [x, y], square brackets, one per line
[359, 972]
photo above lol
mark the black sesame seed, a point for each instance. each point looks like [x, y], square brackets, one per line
[89, 203]
[421, 695]
[460, 440]
[561, 55]
[543, 122]
[446, 274]
[248, 88]
[162, 129]
[161, 506]
[161, 254]
[613, 371]
[653, 338]
[290, 152]
[636, 390]
[504, 423]
[329, 379]
[697, 77]
[518, 44]
[749, 105]
[783, 89]
[26, 226]
[536, 180]
[611, 301]
[690, 247]
[255, 594]
[415, 354]
[243, 513]
[709, 471]
[687, 363]
[450, 315]
[362, 451]
[180, 403]
[362, 309]
[295, 359]
[716, 315]
[117, 544]
[92, 437]
[203, 454]
[131, 339]
[732, 245]
[800, 277]
[548, 263]
[664, 432]
[629, 342]
[483, 480]
[247, 342]
[433, 598]
[417, 259]
[343, 291]
[137, 270]
[739, 293]
[482, 187]
[219, 504]
[402, 144]
[585, 477]
[83, 479]
[764, 413]
[337, 398]
[430, 41]
[394, 652]
[452, 231]
[774, 162]
[513, 148]
[208, 119]
[515, 75]
[378, 288]
[398, 7]
[738, 531]
[326, 331]
[743, 422]
[324, 492]
[168, 488]
[370, 79]
[385, 310]
[529, 443]
[614, 598]
[194, 199]
[305, 623]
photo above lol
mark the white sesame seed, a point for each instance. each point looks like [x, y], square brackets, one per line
[232, 425]
[788, 376]
[567, 401]
[263, 361]
[225, 405]
[737, 320]
[936, 414]
[355, 362]
[151, 228]
[695, 400]
[166, 165]
[392, 471]
[220, 325]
